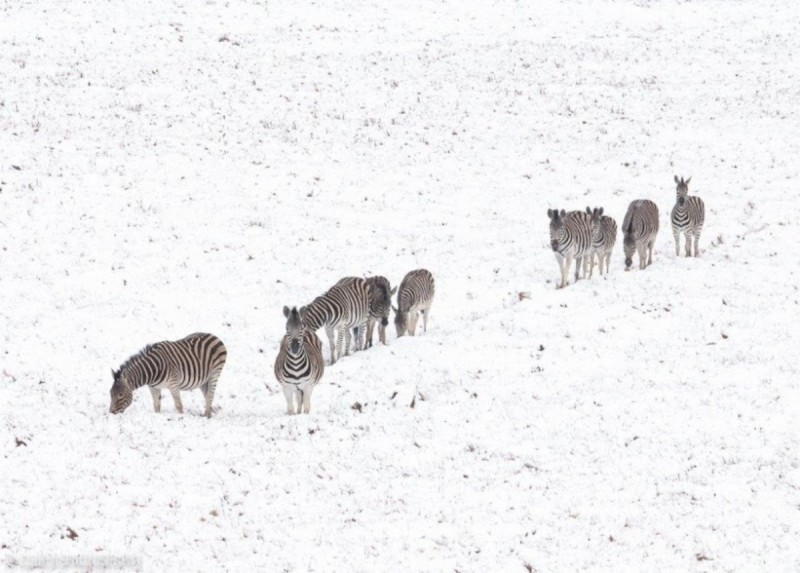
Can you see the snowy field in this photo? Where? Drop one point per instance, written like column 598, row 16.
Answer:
column 170, row 167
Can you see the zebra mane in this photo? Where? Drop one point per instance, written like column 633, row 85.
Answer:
column 134, row 358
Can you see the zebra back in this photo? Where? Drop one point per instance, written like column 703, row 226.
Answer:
column 346, row 304
column 641, row 222
column 416, row 289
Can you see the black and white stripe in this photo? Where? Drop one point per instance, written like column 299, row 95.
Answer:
column 604, row 237
column 343, row 307
column 414, row 297
column 299, row 364
column 192, row 362
column 380, row 306
column 688, row 216
column 639, row 229
column 570, row 238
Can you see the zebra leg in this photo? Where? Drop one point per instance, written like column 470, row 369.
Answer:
column 608, row 261
column 306, row 400
column 156, row 392
column 209, row 388
column 688, row 243
column 348, row 338
column 288, row 393
column 381, row 334
column 176, row 397
column 697, row 242
column 677, row 234
column 642, row 250
column 370, row 333
column 578, row 263
column 650, row 250
column 331, row 339
column 425, row 319
column 413, row 316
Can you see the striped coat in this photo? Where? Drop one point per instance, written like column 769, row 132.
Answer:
column 604, row 237
column 299, row 365
column 192, row 362
column 340, row 309
column 414, row 297
column 570, row 238
column 687, row 217
column 639, row 229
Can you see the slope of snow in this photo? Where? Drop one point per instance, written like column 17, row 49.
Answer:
column 169, row 168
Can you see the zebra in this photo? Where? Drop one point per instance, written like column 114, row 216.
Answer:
column 639, row 229
column 192, row 362
column 299, row 364
column 570, row 238
column 414, row 297
column 688, row 216
column 338, row 310
column 380, row 304
column 604, row 237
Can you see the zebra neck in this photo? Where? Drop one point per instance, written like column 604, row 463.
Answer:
column 316, row 313
column 146, row 369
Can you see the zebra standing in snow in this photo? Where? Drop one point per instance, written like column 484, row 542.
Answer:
column 299, row 365
column 414, row 297
column 688, row 216
column 380, row 304
column 192, row 362
column 604, row 237
column 570, row 238
column 341, row 308
column 639, row 229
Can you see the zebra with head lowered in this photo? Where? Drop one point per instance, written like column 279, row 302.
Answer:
column 604, row 237
column 414, row 297
column 343, row 307
column 380, row 305
column 639, row 229
column 299, row 365
column 688, row 216
column 192, row 362
column 570, row 238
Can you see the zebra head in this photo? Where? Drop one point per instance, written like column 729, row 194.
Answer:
column 400, row 321
column 682, row 190
column 382, row 302
column 556, row 227
column 121, row 394
column 629, row 246
column 596, row 215
column 295, row 328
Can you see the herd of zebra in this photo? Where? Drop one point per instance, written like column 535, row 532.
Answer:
column 582, row 236
column 350, row 309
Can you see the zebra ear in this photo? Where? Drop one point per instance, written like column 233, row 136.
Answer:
column 550, row 213
column 394, row 290
column 600, row 212
column 286, row 312
column 687, row 181
column 589, row 210
column 563, row 213
column 676, row 179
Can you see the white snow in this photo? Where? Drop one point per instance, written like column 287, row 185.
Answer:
column 196, row 166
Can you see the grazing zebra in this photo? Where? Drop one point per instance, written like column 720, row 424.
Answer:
column 414, row 297
column 299, row 365
column 338, row 310
column 639, row 229
column 192, row 362
column 604, row 237
column 688, row 216
column 570, row 238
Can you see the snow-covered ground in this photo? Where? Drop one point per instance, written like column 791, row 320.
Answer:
column 170, row 167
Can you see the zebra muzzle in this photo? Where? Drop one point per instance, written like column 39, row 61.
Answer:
column 295, row 346
column 385, row 321
column 554, row 244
